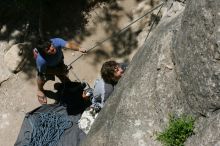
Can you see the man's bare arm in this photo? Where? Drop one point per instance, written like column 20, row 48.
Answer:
column 75, row 46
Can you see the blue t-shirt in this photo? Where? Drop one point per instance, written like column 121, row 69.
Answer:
column 52, row 60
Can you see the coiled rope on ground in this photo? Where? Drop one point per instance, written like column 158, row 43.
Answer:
column 48, row 128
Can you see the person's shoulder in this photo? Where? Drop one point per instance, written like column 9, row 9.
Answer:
column 40, row 59
column 98, row 82
column 58, row 42
column 108, row 86
column 56, row 39
column 101, row 82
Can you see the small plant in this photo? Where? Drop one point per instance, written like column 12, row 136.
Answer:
column 178, row 130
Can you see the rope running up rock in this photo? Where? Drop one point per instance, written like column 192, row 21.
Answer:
column 119, row 32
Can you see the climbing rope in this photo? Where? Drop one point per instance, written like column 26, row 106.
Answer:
column 77, row 78
column 48, row 128
column 153, row 22
column 116, row 34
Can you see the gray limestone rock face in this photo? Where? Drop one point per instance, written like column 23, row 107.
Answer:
column 198, row 67
column 176, row 71
column 207, row 132
column 195, row 56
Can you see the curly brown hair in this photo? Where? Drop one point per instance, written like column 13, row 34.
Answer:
column 108, row 70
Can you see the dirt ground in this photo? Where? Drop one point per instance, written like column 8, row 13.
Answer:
column 18, row 94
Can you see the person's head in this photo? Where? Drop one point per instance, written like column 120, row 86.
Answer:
column 111, row 72
column 46, row 48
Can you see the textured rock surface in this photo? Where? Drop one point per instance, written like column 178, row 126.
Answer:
column 14, row 58
column 207, row 133
column 176, row 71
column 195, row 56
column 199, row 68
column 4, row 72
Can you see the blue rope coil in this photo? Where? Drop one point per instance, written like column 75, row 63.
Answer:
column 48, row 128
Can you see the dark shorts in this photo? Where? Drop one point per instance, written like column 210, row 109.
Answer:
column 44, row 76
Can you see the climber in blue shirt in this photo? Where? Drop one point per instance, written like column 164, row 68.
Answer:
column 49, row 61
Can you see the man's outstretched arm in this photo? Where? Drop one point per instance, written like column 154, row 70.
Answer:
column 74, row 46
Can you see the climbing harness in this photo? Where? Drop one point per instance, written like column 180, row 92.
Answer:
column 116, row 34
